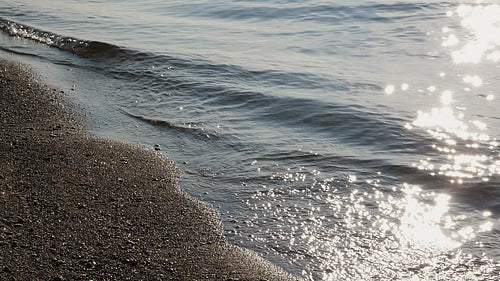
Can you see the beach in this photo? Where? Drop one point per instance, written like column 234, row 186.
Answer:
column 337, row 140
column 77, row 207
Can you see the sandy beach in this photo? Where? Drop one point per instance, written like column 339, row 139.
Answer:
column 77, row 207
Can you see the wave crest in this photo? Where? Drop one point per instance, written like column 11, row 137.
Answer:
column 94, row 50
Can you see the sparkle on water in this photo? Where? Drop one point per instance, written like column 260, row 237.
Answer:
column 470, row 151
column 358, row 227
column 483, row 23
column 402, row 232
column 368, row 232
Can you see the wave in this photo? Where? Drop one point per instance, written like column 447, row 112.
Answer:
column 137, row 63
column 265, row 96
column 95, row 50
column 193, row 129
column 321, row 13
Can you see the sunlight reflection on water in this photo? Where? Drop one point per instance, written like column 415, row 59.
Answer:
column 361, row 228
column 483, row 23
column 403, row 233
column 421, row 223
column 470, row 151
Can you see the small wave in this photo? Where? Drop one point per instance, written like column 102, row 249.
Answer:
column 95, row 50
column 328, row 162
column 17, row 52
column 323, row 13
column 195, row 72
column 346, row 123
column 194, row 129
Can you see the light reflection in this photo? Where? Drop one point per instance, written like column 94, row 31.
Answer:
column 389, row 89
column 389, row 229
column 480, row 125
column 464, row 142
column 475, row 80
column 447, row 97
column 485, row 227
column 494, row 56
column 449, row 41
column 441, row 120
column 366, row 232
column 443, row 125
column 421, row 223
column 483, row 23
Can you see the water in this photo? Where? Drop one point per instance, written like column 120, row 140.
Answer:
column 342, row 140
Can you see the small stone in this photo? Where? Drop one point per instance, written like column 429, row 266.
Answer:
column 57, row 278
column 157, row 147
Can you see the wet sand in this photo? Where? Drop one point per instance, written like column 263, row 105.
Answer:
column 77, row 207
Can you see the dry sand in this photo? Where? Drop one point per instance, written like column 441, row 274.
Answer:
column 77, row 207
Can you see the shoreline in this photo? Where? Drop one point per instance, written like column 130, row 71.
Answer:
column 78, row 207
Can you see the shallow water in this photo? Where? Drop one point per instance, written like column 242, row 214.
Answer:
column 342, row 141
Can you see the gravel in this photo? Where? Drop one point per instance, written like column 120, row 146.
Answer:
column 77, row 207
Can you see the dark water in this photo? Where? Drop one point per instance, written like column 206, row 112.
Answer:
column 342, row 140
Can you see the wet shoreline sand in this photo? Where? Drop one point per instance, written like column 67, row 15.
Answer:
column 77, row 207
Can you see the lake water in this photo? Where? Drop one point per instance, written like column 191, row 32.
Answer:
column 342, row 140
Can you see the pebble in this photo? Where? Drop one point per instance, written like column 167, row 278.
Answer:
column 79, row 171
column 56, row 278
